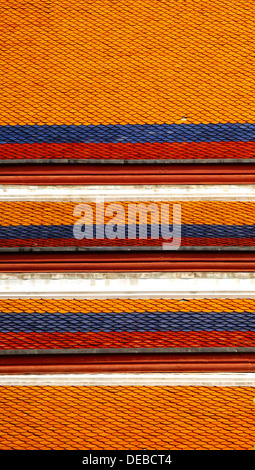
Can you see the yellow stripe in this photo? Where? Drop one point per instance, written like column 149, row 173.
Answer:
column 125, row 61
column 193, row 212
column 125, row 305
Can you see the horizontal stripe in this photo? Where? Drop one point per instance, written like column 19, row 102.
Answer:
column 128, row 151
column 204, row 194
column 130, row 322
column 131, row 231
column 201, row 213
column 105, row 285
column 136, row 133
column 71, row 242
column 128, row 62
column 227, row 379
column 129, row 305
column 173, row 339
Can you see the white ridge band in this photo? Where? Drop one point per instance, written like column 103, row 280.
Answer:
column 155, row 192
column 128, row 285
column 133, row 379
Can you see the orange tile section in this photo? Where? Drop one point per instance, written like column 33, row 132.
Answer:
column 30, row 305
column 127, row 418
column 148, row 61
column 14, row 213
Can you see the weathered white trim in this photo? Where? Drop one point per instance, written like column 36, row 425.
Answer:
column 134, row 379
column 128, row 285
column 222, row 192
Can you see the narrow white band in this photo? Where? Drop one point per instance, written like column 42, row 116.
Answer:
column 128, row 285
column 189, row 192
column 134, row 379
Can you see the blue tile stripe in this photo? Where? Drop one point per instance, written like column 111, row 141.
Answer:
column 66, row 231
column 228, row 132
column 129, row 322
